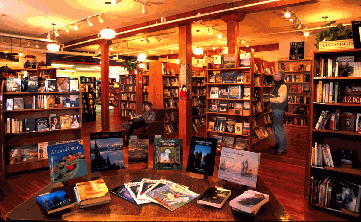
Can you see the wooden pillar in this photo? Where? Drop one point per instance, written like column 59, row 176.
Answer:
column 185, row 78
column 233, row 34
column 105, row 123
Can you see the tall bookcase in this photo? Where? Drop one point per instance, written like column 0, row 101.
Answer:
column 88, row 86
column 331, row 181
column 298, row 81
column 199, row 95
column 20, row 139
column 127, row 90
column 145, row 86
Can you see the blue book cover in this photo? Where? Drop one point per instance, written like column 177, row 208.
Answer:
column 106, row 150
column 168, row 154
column 56, row 201
column 123, row 192
column 229, row 77
column 66, row 161
column 234, row 92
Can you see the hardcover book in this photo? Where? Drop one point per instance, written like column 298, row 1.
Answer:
column 230, row 125
column 211, row 126
column 229, row 61
column 239, row 128
column 239, row 166
column 9, row 104
column 106, row 151
column 28, row 102
column 18, row 103
column 42, row 124
column 43, row 150
column 223, row 92
column 235, row 92
column 30, row 125
column 123, row 192
column 202, row 154
column 23, row 154
column 212, row 78
column 53, row 202
column 168, row 154
column 214, row 196
column 218, row 76
column 229, row 77
column 41, row 85
column 65, row 101
column 64, row 122
column 74, row 100
column 138, row 153
column 62, row 84
column 66, row 161
column 228, row 141
column 249, row 202
column 219, row 140
column 247, row 93
column 73, row 85
column 50, row 85
column 54, row 122
column 74, row 121
column 241, row 144
column 220, row 124
column 32, row 84
column 223, row 106
column 214, row 92
column 245, row 60
column 92, row 193
column 49, row 101
column 13, row 85
column 240, row 77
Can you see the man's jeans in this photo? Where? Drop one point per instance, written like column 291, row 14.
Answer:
column 278, row 116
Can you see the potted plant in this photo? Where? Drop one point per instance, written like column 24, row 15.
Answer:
column 131, row 65
column 338, row 32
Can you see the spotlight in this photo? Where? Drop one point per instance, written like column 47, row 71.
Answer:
column 114, row 2
column 166, row 38
column 214, row 48
column 49, row 36
column 291, row 20
column 76, row 27
column 306, row 33
column 287, row 14
column 89, row 22
column 219, row 36
column 144, row 9
column 247, row 45
column 142, row 65
column 20, row 53
column 142, row 57
column 56, row 33
column 323, row 40
column 107, row 33
column 37, row 44
column 67, row 29
column 100, row 18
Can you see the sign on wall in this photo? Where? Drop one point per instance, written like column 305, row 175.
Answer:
column 336, row 45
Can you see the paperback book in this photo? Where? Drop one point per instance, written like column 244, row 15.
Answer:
column 106, row 151
column 23, row 154
column 9, row 104
column 239, row 166
column 91, row 193
column 202, row 154
column 229, row 61
column 32, row 84
column 62, row 84
column 214, row 196
column 123, row 192
column 43, row 150
column 250, row 201
column 50, row 85
column 235, row 92
column 73, row 85
column 13, row 85
column 74, row 121
column 49, row 101
column 18, row 103
column 168, row 154
column 64, row 122
column 133, row 188
column 228, row 141
column 66, row 161
column 54, row 122
column 146, row 185
column 229, row 77
column 138, row 153
column 53, row 202
column 219, row 141
column 74, row 100
column 241, row 144
column 42, row 123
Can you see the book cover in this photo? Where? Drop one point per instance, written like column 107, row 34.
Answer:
column 223, row 106
column 138, row 153
column 123, row 192
column 172, row 196
column 220, row 124
column 50, row 85
column 240, row 77
column 229, row 77
column 245, row 60
column 230, row 125
column 64, row 122
column 32, row 84
column 65, row 101
column 247, row 93
column 229, row 61
column 211, row 126
column 218, row 76
column 73, row 85
column 344, row 196
column 74, row 100
column 66, row 161
column 9, row 104
column 239, row 166
column 214, row 92
column 74, row 121
column 223, row 92
column 235, row 92
column 133, row 188
column 54, row 122
column 41, row 85
column 30, row 125
column 92, row 189
column 62, row 84
column 53, row 202
column 249, row 201
column 214, row 196
column 202, row 154
column 168, row 154
column 146, row 185
column 228, row 141
column 28, row 102
column 106, row 151
column 219, row 140
column 238, row 108
column 23, row 153
column 239, row 128
column 212, row 77
column 297, row 50
column 42, row 123
column 43, row 150
column 241, row 144
column 13, row 85
column 18, row 103
column 49, row 101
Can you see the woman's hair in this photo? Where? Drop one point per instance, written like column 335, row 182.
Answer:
column 148, row 104
column 281, row 73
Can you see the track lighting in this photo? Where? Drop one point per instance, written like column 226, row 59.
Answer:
column 49, row 36
column 76, row 27
column 219, row 36
column 20, row 53
column 287, row 13
column 67, row 29
column 214, row 48
column 56, row 33
column 53, row 47
column 100, row 18
column 37, row 44
column 114, row 2
column 89, row 22
column 107, row 33
column 28, row 43
column 144, row 9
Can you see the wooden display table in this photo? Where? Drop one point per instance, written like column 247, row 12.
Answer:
column 119, row 209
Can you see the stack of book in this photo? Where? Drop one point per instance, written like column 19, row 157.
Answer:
column 250, row 202
column 91, row 193
column 54, row 202
column 214, row 196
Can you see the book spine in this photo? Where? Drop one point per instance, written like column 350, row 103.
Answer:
column 325, row 156
column 320, row 91
column 329, row 155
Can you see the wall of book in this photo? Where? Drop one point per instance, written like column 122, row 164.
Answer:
column 334, row 162
column 112, row 85
column 88, row 86
column 127, row 90
column 199, row 95
column 145, row 86
column 35, row 113
column 298, row 81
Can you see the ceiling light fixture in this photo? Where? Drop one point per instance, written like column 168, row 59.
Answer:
column 67, row 29
column 287, row 13
column 107, row 33
column 89, row 22
column 198, row 51
column 214, row 48
column 306, row 33
column 56, row 33
column 219, row 36
column 291, row 20
column 21, row 53
column 53, row 47
column 142, row 57
column 114, row 2
column 100, row 18
column 37, row 44
column 144, row 9
column 76, row 27
column 142, row 65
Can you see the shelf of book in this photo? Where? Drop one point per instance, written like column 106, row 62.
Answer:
column 128, row 92
column 291, row 125
column 24, row 128
column 88, row 98
column 199, row 94
column 334, row 130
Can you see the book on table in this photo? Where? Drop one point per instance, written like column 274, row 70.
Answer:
column 54, row 202
column 250, row 201
column 91, row 193
column 214, row 196
column 138, row 153
column 168, row 154
column 123, row 192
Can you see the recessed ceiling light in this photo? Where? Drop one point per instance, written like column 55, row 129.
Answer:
column 89, row 22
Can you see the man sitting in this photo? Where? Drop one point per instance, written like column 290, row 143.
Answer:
column 140, row 121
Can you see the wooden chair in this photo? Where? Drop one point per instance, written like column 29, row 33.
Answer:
column 153, row 128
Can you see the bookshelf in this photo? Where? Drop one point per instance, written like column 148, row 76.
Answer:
column 145, row 85
column 16, row 134
column 112, row 86
column 199, row 95
column 127, row 90
column 88, row 86
column 334, row 156
column 298, row 81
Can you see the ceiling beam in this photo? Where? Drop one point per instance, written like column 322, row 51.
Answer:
column 188, row 17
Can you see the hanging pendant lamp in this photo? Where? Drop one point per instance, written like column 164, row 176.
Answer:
column 53, row 47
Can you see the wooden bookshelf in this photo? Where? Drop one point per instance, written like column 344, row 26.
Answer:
column 128, row 95
column 88, row 98
column 199, row 94
column 332, row 133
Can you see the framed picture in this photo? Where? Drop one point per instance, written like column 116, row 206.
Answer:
column 356, row 29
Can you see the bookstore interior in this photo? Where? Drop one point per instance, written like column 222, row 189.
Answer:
column 208, row 75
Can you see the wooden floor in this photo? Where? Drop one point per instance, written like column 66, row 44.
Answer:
column 284, row 175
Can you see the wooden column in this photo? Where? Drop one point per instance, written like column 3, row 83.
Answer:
column 233, row 34
column 105, row 85
column 185, row 78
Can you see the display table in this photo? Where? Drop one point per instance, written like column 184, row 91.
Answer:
column 119, row 209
